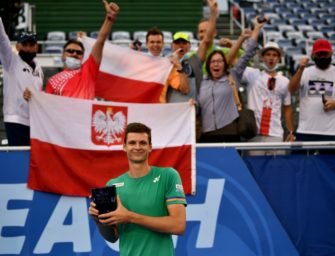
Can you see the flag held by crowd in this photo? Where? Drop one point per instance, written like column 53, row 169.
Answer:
column 129, row 76
column 77, row 144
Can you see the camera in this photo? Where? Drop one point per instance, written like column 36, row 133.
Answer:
column 261, row 18
column 137, row 44
column 104, row 198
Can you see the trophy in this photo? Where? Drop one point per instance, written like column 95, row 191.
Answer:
column 104, row 198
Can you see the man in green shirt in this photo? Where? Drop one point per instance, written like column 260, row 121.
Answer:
column 151, row 202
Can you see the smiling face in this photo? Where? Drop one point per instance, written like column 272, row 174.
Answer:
column 137, row 147
column 155, row 44
column 216, row 66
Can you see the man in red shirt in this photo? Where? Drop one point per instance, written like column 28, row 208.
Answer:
column 77, row 80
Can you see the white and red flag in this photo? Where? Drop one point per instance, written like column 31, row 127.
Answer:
column 129, row 76
column 77, row 144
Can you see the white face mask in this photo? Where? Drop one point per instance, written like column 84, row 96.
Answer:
column 72, row 63
column 266, row 68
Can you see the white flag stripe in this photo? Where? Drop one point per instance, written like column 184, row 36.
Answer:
column 67, row 121
column 127, row 63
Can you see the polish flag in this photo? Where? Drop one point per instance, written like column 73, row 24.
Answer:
column 129, row 76
column 76, row 144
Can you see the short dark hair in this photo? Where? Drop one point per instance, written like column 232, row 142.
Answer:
column 208, row 63
column 153, row 32
column 137, row 128
column 74, row 41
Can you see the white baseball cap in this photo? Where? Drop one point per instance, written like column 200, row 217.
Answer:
column 271, row 46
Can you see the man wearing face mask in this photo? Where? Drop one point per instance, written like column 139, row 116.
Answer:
column 20, row 72
column 268, row 97
column 317, row 94
column 78, row 80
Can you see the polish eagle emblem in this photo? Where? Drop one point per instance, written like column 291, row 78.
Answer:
column 108, row 127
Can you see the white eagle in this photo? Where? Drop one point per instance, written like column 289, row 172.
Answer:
column 108, row 126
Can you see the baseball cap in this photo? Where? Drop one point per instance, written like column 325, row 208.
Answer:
column 321, row 45
column 25, row 37
column 271, row 46
column 181, row 36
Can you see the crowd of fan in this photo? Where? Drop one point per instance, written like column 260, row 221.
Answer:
column 207, row 77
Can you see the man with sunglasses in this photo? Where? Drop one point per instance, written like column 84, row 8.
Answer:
column 268, row 96
column 20, row 72
column 317, row 94
column 78, row 80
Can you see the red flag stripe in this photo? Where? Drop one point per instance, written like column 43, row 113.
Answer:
column 80, row 170
column 115, row 88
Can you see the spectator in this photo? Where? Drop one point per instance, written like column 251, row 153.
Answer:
column 78, row 80
column 20, row 71
column 268, row 94
column 191, row 66
column 147, row 213
column 207, row 31
column 218, row 109
column 177, row 80
column 317, row 115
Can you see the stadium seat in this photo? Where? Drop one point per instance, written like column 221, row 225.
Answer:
column 56, row 36
column 269, row 27
column 94, row 34
column 117, row 35
column 53, row 49
column 305, row 28
column 122, row 42
column 277, row 22
column 140, row 35
column 194, row 44
column 272, row 36
column 284, row 28
column 167, row 34
column 295, row 35
column 72, row 34
column 285, row 43
column 313, row 35
column 297, row 22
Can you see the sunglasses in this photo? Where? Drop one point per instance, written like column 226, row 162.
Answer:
column 72, row 51
column 271, row 83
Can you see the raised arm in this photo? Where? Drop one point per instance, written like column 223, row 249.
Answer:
column 6, row 53
column 112, row 10
column 295, row 79
column 237, row 45
column 210, row 33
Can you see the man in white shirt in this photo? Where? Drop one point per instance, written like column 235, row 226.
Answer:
column 20, row 72
column 268, row 96
column 317, row 94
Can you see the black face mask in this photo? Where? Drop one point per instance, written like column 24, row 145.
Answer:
column 27, row 56
column 323, row 63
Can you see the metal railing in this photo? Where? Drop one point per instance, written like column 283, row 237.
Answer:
column 297, row 145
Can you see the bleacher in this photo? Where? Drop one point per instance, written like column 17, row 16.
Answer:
column 294, row 24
